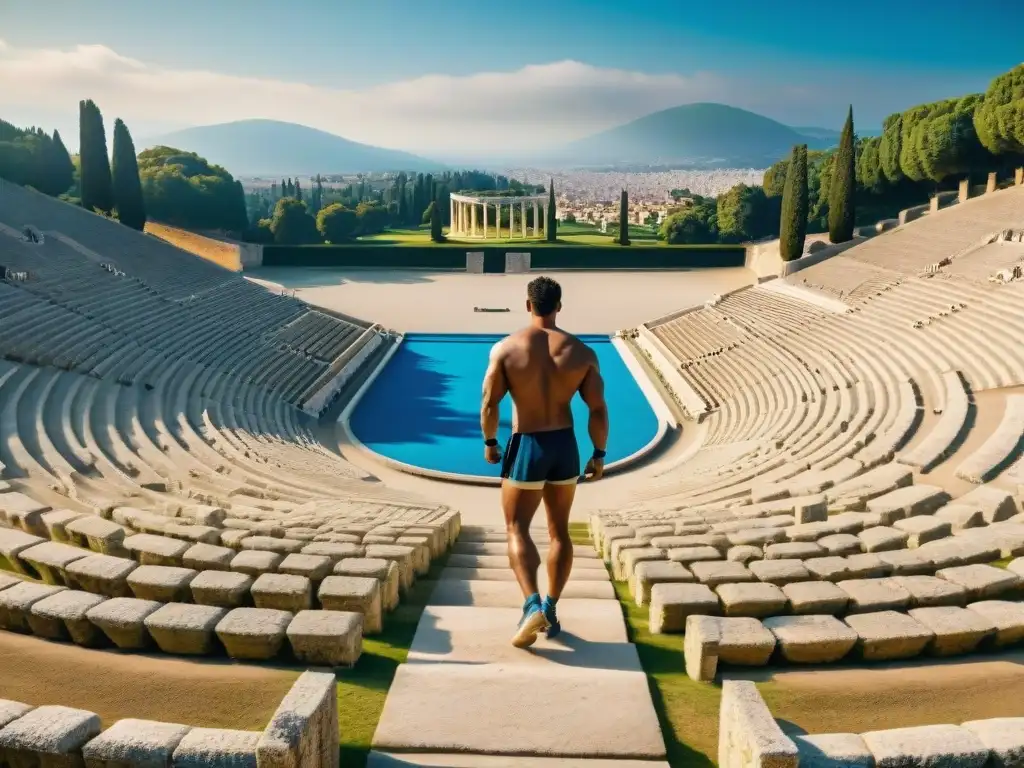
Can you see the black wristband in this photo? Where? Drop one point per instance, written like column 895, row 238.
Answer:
column 491, row 442
column 599, row 454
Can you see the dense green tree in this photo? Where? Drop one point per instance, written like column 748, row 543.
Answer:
column 623, row 219
column 436, row 230
column 774, row 181
column 999, row 119
column 298, row 191
column 745, row 213
column 336, row 223
column 428, row 213
column 97, row 189
column 131, row 209
column 795, row 206
column 890, row 147
column 841, row 198
column 183, row 189
column 869, row 167
column 292, row 224
column 372, row 218
column 61, row 171
column 695, row 224
column 551, row 225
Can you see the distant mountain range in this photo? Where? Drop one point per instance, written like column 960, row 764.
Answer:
column 273, row 148
column 702, row 135
column 689, row 136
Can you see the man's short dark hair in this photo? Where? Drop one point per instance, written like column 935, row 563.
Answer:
column 544, row 295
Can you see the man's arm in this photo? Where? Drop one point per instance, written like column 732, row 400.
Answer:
column 592, row 392
column 495, row 388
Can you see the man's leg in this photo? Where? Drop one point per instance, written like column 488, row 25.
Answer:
column 558, row 503
column 519, row 506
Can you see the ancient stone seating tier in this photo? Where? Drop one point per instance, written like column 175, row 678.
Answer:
column 303, row 731
column 155, row 304
column 749, row 735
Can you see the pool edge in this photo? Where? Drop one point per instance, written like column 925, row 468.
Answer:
column 658, row 406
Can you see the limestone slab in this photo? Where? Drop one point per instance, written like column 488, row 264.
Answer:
column 282, row 592
column 921, row 530
column 226, row 589
column 185, row 629
column 1003, row 737
column 811, row 639
column 48, row 560
column 504, row 594
column 647, row 574
column 203, row 747
column 831, row 568
column 671, row 604
column 48, row 735
column 1007, row 617
column 866, row 566
column 253, row 633
column 871, row 595
column 162, row 583
column 742, row 641
column 982, row 581
column 17, row 600
column 886, row 635
column 382, row 759
column 208, row 557
column 135, row 743
column 62, row 616
column 55, row 522
column 718, row 572
column 359, row 594
column 780, row 572
column 12, row 544
column 754, row 600
column 957, row 630
column 931, row 591
column 839, row 544
column 926, row 746
column 594, row 635
column 328, row 637
column 450, row 707
column 793, row 550
column 833, row 750
column 882, row 538
column 744, row 553
column 256, row 562
column 97, row 534
column 907, row 562
column 907, row 502
column 122, row 619
column 814, row 597
column 385, row 571
column 102, row 574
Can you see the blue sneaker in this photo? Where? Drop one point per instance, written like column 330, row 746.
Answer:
column 532, row 622
column 552, row 618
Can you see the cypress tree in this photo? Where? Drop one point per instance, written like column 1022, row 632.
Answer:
column 551, row 225
column 125, row 177
column 624, row 219
column 795, row 204
column 298, row 191
column 62, row 170
column 841, row 192
column 284, row 189
column 435, row 222
column 97, row 189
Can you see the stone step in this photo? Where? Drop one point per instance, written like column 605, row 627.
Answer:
column 593, row 635
column 501, row 561
column 378, row 759
column 514, row 709
column 506, row 574
column 506, row 594
column 494, row 548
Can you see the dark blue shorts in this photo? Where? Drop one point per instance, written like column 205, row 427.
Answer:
column 533, row 460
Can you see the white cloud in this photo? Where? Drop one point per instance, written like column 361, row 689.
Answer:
column 487, row 112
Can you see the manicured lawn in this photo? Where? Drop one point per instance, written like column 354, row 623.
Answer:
column 568, row 234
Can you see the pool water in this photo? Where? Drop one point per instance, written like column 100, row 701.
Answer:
column 424, row 407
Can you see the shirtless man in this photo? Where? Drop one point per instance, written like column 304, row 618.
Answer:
column 542, row 367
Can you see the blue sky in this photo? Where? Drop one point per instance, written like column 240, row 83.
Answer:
column 784, row 58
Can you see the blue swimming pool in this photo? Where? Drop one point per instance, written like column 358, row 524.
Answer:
column 424, row 407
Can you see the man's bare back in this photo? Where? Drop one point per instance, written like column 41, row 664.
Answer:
column 544, row 369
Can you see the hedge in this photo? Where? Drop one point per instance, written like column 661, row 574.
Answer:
column 559, row 257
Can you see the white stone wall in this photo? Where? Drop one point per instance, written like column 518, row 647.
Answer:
column 317, row 402
column 304, row 731
column 662, row 360
column 748, row 736
column 517, row 263
column 475, row 262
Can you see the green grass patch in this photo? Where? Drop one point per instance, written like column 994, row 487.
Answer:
column 362, row 690
column 1003, row 562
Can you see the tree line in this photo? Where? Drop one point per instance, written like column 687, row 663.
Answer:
column 921, row 150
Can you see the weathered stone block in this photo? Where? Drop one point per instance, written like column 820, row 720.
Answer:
column 871, row 595
column 882, row 538
column 48, row 736
column 840, row 544
column 204, row 747
column 833, row 750
column 930, row 591
column 652, row 572
column 780, row 572
column 102, row 574
column 48, row 560
column 282, row 592
column 982, row 581
column 329, row 637
column 816, row 597
column 62, row 616
column 304, row 730
column 97, row 534
column 920, row 530
column 811, row 639
column 17, row 600
column 1005, row 616
column 889, row 635
column 671, row 604
column 832, row 568
column 253, row 633
column 208, row 557
column 131, row 742
column 354, row 594
column 185, row 629
column 957, row 630
column 225, row 589
column 926, row 746
column 313, row 567
column 156, row 550
column 754, row 600
column 713, row 573
column 122, row 619
column 162, row 583
column 1003, row 737
column 385, row 571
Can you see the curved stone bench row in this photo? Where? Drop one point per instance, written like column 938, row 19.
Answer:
column 330, row 637
column 938, row 441
column 1000, row 445
column 673, row 598
column 303, row 731
column 749, row 736
column 885, row 635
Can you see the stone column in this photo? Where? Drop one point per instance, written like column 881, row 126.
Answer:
column 472, row 214
column 511, row 220
column 965, row 190
column 1018, row 176
column 497, row 221
column 451, row 216
column 485, row 221
column 522, row 212
column 990, row 185
column 536, row 221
